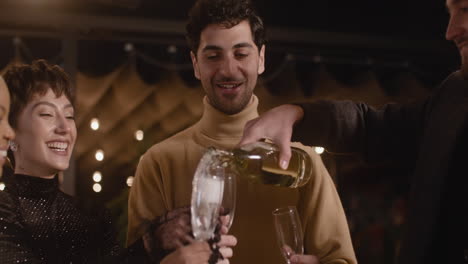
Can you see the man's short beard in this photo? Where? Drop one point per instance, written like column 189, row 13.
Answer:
column 230, row 110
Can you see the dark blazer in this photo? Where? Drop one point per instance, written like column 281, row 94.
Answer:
column 422, row 136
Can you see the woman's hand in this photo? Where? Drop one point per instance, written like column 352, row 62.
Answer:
column 226, row 244
column 304, row 259
column 200, row 252
column 195, row 253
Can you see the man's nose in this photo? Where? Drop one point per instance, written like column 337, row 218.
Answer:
column 228, row 66
column 454, row 29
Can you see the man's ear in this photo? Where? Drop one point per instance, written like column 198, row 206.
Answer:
column 261, row 60
column 196, row 70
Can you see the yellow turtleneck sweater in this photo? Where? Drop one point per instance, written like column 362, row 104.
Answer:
column 163, row 182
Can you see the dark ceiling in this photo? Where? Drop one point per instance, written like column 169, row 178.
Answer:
column 414, row 19
column 394, row 27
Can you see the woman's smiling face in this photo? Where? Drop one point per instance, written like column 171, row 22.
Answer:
column 46, row 134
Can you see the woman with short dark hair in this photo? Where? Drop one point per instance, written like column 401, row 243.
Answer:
column 38, row 222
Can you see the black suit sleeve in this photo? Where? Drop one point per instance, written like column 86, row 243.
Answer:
column 390, row 133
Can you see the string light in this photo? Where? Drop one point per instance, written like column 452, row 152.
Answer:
column 128, row 47
column 94, row 124
column 319, row 150
column 172, row 49
column 97, row 176
column 130, row 181
column 139, row 134
column 97, row 187
column 99, row 155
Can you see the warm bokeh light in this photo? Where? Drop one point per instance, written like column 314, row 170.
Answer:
column 99, row 155
column 172, row 49
column 97, row 187
column 97, row 176
column 139, row 134
column 2, row 186
column 130, row 181
column 94, row 124
column 319, row 150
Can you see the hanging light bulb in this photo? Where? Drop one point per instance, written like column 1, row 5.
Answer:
column 94, row 123
column 97, row 187
column 130, row 181
column 139, row 134
column 99, row 155
column 97, row 176
column 319, row 150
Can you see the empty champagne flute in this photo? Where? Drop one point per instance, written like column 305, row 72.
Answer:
column 288, row 231
column 207, row 195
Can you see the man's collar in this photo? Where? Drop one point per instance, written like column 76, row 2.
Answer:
column 218, row 125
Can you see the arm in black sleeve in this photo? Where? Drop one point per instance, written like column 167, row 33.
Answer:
column 112, row 252
column 389, row 133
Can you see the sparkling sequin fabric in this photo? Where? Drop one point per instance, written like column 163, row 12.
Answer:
column 41, row 224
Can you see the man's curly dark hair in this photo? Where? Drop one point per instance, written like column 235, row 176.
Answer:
column 227, row 13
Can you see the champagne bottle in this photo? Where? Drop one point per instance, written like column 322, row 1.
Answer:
column 259, row 163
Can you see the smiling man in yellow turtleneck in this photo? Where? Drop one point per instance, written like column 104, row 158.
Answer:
column 227, row 42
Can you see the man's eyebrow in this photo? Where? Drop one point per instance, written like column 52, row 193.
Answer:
column 239, row 45
column 243, row 45
column 211, row 47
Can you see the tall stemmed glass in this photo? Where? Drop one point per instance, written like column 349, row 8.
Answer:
column 207, row 195
column 288, row 231
column 228, row 205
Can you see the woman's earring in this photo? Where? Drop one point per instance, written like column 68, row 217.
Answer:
column 13, row 146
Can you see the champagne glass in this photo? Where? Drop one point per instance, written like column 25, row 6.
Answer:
column 228, row 205
column 207, row 195
column 288, row 231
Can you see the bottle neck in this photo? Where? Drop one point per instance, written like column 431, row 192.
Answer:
column 236, row 159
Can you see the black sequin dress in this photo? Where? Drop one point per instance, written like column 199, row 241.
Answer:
column 41, row 224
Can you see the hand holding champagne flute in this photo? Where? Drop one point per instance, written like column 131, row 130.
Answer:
column 213, row 188
column 290, row 238
column 207, row 194
column 288, row 231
